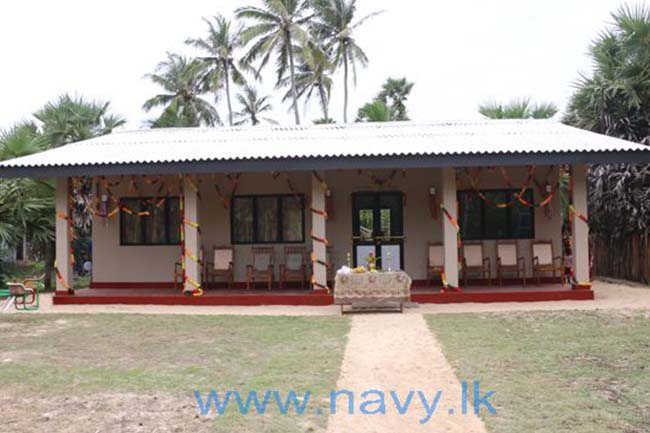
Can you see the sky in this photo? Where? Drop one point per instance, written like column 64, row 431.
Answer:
column 459, row 53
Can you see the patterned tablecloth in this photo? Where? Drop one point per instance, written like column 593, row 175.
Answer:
column 372, row 287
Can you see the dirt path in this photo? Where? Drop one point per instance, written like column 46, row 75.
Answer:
column 398, row 352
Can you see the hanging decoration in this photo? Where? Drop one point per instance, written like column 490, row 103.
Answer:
column 381, row 182
column 434, row 207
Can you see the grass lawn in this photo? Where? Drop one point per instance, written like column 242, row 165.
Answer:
column 114, row 372
column 555, row 371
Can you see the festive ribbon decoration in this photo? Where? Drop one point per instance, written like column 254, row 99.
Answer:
column 59, row 277
column 321, row 213
column 579, row 214
column 456, row 226
column 450, row 218
column 381, row 181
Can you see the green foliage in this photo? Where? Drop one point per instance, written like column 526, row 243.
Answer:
column 184, row 81
column 389, row 104
column 313, row 76
column 252, row 107
column 220, row 45
column 69, row 119
column 615, row 100
column 275, row 29
column 518, row 109
column 375, row 111
column 333, row 25
column 395, row 92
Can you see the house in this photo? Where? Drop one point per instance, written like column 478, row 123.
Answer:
column 167, row 196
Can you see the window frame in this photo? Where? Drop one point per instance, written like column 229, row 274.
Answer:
column 145, row 221
column 508, row 211
column 279, row 198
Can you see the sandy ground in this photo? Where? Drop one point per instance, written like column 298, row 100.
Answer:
column 616, row 295
column 398, row 352
column 102, row 413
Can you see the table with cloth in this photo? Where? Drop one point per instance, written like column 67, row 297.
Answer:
column 372, row 289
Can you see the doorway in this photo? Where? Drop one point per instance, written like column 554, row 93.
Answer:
column 378, row 228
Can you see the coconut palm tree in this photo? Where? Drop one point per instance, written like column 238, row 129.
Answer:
column 518, row 109
column 395, row 91
column 277, row 28
column 184, row 82
column 68, row 119
column 333, row 24
column 252, row 107
column 221, row 43
column 313, row 76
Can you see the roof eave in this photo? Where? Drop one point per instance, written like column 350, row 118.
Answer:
column 332, row 163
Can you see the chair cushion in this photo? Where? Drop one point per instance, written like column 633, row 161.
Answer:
column 293, row 261
column 544, row 252
column 222, row 259
column 436, row 255
column 508, row 254
column 261, row 262
column 473, row 255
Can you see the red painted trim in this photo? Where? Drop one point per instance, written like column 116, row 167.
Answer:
column 495, row 282
column 131, row 285
column 179, row 299
column 317, row 299
column 487, row 297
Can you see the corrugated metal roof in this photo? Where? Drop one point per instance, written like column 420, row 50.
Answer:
column 481, row 137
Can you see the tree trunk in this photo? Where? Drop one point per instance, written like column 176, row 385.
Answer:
column 324, row 101
column 345, row 85
column 48, row 258
column 294, row 93
column 226, row 70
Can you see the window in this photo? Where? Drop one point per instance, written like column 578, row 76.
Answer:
column 480, row 220
column 265, row 219
column 160, row 227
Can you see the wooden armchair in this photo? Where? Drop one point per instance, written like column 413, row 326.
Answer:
column 294, row 268
column 508, row 260
column 221, row 266
column 261, row 266
column 435, row 261
column 544, row 261
column 474, row 261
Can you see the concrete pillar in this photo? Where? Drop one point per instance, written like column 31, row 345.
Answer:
column 580, row 229
column 192, row 234
column 449, row 233
column 318, row 220
column 64, row 278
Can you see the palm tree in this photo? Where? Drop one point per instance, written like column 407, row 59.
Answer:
column 27, row 205
column 614, row 99
column 396, row 91
column 252, row 107
column 278, row 27
column 333, row 25
column 313, row 76
column 518, row 109
column 221, row 43
column 184, row 81
column 69, row 119
column 375, row 111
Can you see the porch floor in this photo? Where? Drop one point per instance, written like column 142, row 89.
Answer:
column 480, row 294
